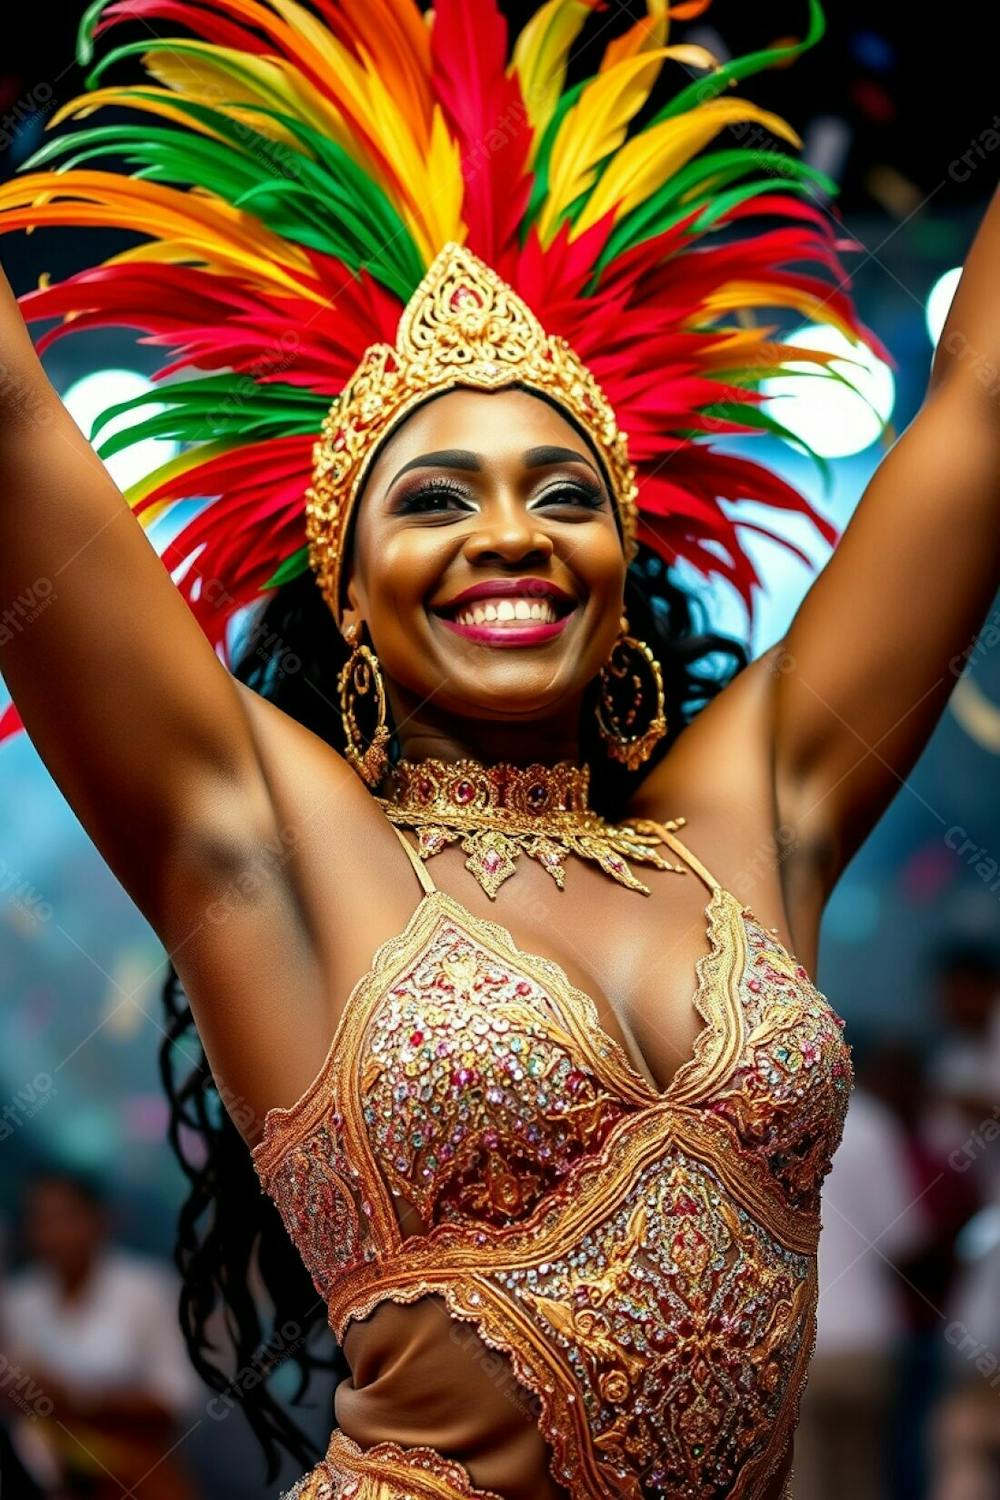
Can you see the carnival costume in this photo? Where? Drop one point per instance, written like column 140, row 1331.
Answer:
column 347, row 210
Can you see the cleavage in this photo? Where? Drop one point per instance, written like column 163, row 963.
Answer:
column 635, row 956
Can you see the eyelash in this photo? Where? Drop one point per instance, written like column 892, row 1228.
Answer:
column 589, row 497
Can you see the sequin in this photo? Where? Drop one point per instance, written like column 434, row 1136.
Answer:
column 646, row 1260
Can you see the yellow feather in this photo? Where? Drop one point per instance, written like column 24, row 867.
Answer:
column 649, row 160
column 163, row 104
column 407, row 81
column 652, row 31
column 739, row 295
column 446, row 187
column 596, row 126
column 189, row 227
column 194, row 73
column 431, row 176
column 228, row 261
column 541, row 55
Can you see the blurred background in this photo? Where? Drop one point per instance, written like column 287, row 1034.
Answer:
column 903, row 111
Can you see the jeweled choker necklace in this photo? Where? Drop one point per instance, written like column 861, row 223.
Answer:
column 500, row 812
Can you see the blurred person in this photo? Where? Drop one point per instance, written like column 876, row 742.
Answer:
column 871, row 1217
column 966, row 1428
column 94, row 1360
column 964, row 1071
column 949, row 1196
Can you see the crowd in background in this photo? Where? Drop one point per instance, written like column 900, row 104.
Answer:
column 903, row 1396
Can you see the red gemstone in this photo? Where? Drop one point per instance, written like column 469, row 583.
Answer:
column 464, row 792
column 464, row 296
column 416, row 1037
column 492, row 861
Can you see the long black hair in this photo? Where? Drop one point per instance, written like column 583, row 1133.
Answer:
column 231, row 1244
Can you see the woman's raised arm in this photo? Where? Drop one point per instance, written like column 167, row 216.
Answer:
column 135, row 716
column 873, row 653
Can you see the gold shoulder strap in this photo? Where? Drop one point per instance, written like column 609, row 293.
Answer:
column 669, row 836
column 423, row 875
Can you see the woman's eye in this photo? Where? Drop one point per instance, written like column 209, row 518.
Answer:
column 589, row 496
column 432, row 497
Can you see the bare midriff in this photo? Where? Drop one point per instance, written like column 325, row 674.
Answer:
column 421, row 1378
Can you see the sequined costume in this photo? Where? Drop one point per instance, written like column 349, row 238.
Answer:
column 646, row 1260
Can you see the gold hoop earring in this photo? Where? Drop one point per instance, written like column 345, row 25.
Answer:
column 616, row 724
column 360, row 677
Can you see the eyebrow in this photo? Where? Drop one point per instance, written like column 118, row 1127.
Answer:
column 463, row 458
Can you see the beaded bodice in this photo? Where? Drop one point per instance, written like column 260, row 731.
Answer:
column 646, row 1259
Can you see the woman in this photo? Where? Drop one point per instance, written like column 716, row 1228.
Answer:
column 555, row 1178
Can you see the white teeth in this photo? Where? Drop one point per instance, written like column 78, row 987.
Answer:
column 487, row 612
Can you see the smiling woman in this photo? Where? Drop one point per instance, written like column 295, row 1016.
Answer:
column 543, row 1143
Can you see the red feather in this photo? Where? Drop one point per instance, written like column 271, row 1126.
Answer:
column 202, row 22
column 10, row 722
column 486, row 113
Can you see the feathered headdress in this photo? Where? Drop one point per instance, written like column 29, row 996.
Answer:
column 300, row 172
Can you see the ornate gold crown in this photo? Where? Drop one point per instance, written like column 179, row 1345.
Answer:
column 463, row 326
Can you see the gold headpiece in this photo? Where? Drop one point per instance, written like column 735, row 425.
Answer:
column 463, row 326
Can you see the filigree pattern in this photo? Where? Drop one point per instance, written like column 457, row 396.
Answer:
column 384, row 1472
column 645, row 1259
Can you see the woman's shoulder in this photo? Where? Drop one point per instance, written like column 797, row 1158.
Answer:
column 720, row 763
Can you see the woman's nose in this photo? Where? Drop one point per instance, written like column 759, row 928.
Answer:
column 508, row 533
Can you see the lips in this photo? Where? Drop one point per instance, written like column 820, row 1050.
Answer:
column 508, row 612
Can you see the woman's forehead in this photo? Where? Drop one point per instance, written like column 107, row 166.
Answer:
column 499, row 425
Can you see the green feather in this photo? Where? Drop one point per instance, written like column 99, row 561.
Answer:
column 725, row 201
column 291, row 568
column 661, row 211
column 215, row 407
column 755, row 416
column 85, row 32
column 543, row 156
column 716, row 83
column 329, row 203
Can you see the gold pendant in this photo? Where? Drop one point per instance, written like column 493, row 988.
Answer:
column 501, row 812
column 491, row 858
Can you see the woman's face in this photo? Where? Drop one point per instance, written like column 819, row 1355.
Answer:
column 487, row 563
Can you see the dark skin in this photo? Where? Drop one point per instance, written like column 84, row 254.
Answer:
column 261, row 860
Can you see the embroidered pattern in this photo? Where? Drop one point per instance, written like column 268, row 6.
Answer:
column 645, row 1259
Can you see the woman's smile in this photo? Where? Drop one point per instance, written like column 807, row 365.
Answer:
column 508, row 612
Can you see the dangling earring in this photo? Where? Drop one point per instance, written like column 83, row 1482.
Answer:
column 360, row 677
column 616, row 724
